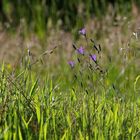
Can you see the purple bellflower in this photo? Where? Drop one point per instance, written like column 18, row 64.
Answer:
column 93, row 57
column 71, row 63
column 80, row 50
column 82, row 31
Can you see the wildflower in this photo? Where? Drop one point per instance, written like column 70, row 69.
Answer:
column 71, row 63
column 82, row 31
column 93, row 57
column 80, row 50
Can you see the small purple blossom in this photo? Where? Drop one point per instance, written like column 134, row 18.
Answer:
column 80, row 50
column 93, row 57
column 82, row 31
column 71, row 63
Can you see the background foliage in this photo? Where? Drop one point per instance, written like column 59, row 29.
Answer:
column 67, row 14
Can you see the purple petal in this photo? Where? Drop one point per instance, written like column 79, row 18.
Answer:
column 82, row 31
column 71, row 63
column 80, row 50
column 93, row 57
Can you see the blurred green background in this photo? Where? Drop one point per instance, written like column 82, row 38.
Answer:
column 41, row 14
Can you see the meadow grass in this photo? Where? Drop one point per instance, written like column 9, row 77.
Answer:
column 41, row 15
column 96, row 98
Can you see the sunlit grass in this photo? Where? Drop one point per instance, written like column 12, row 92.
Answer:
column 40, row 101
